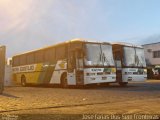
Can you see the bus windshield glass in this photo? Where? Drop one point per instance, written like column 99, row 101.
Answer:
column 134, row 57
column 99, row 55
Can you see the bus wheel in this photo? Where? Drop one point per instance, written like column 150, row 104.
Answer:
column 64, row 81
column 123, row 84
column 23, row 81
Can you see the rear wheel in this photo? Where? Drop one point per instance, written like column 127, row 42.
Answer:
column 123, row 84
column 23, row 81
column 64, row 81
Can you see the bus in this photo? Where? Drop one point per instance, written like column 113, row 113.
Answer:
column 75, row 62
column 130, row 63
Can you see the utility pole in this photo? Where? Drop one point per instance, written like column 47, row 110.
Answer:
column 2, row 67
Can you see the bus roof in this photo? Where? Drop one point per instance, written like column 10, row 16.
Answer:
column 86, row 40
column 62, row 43
column 126, row 44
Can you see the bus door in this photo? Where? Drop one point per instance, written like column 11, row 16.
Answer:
column 118, row 63
column 79, row 67
column 71, row 67
column 75, row 66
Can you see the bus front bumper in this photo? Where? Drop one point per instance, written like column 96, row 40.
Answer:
column 134, row 78
column 99, row 79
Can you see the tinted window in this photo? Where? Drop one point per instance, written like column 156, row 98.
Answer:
column 30, row 58
column 60, row 52
column 39, row 56
column 16, row 61
column 22, row 59
column 49, row 55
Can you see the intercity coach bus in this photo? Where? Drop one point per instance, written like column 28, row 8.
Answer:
column 76, row 62
column 130, row 63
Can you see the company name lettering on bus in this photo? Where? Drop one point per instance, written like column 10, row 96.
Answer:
column 96, row 70
column 16, row 69
column 28, row 68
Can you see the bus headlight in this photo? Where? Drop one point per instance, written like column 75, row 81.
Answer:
column 113, row 71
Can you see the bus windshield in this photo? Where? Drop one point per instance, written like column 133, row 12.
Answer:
column 134, row 57
column 99, row 55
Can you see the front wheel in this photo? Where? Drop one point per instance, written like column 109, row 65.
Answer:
column 64, row 81
column 123, row 84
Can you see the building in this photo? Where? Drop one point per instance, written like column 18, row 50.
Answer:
column 8, row 81
column 152, row 56
column 152, row 53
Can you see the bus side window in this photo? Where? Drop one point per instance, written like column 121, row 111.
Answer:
column 22, row 60
column 30, row 58
column 60, row 52
column 16, row 61
column 39, row 56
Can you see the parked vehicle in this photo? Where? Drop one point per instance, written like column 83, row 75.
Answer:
column 130, row 63
column 75, row 62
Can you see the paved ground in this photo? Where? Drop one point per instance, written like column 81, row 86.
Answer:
column 137, row 98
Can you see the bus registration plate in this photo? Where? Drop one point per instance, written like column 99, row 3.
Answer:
column 104, row 78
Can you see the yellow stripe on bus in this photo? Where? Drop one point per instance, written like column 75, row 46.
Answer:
column 31, row 77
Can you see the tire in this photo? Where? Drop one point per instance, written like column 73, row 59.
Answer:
column 64, row 83
column 123, row 84
column 23, row 81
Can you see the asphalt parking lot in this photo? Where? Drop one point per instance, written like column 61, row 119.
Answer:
column 136, row 98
